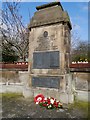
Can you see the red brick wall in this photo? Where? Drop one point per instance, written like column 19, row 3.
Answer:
column 80, row 65
column 24, row 66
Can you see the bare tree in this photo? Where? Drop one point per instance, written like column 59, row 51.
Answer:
column 13, row 30
column 80, row 53
column 75, row 39
column 79, row 48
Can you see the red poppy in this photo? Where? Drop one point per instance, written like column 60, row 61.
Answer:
column 45, row 100
column 45, row 105
column 53, row 98
column 55, row 104
column 39, row 98
column 48, row 101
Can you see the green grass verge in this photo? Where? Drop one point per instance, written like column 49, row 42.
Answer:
column 10, row 95
column 81, row 105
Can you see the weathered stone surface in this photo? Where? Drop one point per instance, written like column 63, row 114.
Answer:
column 53, row 93
column 43, row 91
column 58, row 40
column 63, row 84
column 9, row 76
column 47, row 15
column 64, row 98
column 49, row 5
column 82, row 95
column 24, row 77
column 81, row 81
column 49, row 50
column 53, row 72
column 70, row 97
column 28, row 93
column 11, row 88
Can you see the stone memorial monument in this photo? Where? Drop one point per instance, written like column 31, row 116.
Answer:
column 49, row 52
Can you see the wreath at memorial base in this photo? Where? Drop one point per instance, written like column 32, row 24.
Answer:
column 49, row 103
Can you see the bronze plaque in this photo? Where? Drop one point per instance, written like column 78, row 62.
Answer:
column 47, row 82
column 46, row 60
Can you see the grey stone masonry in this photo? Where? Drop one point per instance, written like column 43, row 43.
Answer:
column 51, row 13
column 49, row 48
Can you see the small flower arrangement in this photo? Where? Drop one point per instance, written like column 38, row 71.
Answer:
column 49, row 102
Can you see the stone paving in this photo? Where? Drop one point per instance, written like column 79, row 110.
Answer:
column 25, row 108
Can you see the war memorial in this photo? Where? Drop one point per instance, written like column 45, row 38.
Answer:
column 49, row 52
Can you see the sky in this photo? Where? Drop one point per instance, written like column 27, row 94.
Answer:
column 78, row 13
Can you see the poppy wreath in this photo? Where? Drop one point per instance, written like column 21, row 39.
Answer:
column 49, row 102
column 39, row 98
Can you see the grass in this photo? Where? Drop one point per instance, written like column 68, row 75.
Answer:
column 81, row 105
column 14, row 96
column 10, row 95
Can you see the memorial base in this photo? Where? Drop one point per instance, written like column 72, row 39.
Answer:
column 64, row 97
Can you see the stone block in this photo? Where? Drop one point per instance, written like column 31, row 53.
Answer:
column 52, row 93
column 62, row 84
column 40, row 91
column 28, row 93
column 24, row 77
column 82, row 96
column 64, row 98
column 70, row 98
